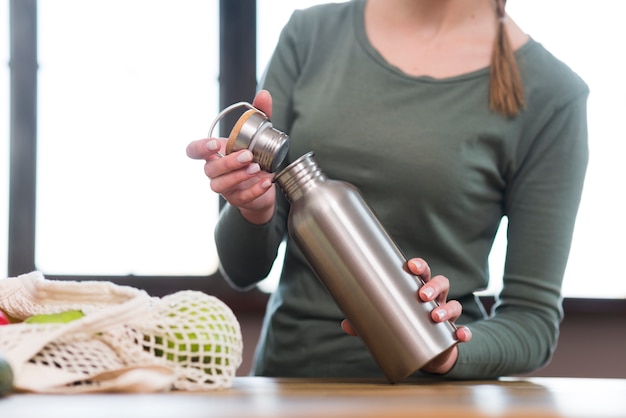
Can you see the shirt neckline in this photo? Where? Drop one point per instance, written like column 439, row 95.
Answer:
column 364, row 42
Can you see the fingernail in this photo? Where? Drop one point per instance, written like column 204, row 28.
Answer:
column 441, row 314
column 212, row 145
column 428, row 292
column 245, row 157
column 417, row 264
column 467, row 331
column 253, row 168
column 266, row 184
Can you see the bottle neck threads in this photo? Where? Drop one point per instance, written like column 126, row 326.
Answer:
column 254, row 131
column 299, row 176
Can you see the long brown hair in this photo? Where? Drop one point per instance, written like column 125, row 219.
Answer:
column 506, row 93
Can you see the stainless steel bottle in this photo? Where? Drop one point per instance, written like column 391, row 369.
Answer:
column 363, row 270
column 350, row 252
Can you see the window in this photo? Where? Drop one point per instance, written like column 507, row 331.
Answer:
column 588, row 37
column 124, row 86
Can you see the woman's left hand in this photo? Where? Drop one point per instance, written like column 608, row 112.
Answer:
column 435, row 289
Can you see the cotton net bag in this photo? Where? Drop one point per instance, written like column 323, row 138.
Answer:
column 126, row 340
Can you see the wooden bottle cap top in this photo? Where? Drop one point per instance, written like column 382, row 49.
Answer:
column 232, row 138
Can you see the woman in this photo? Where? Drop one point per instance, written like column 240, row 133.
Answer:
column 447, row 117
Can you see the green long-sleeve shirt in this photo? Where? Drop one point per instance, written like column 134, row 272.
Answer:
column 440, row 169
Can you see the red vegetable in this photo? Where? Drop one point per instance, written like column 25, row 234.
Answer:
column 3, row 319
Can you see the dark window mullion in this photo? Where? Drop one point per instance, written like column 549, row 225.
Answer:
column 237, row 78
column 23, row 136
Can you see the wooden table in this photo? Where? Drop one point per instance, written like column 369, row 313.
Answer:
column 294, row 398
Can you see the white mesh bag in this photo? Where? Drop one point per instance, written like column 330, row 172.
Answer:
column 197, row 335
column 126, row 341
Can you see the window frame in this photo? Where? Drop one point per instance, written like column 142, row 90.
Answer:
column 237, row 80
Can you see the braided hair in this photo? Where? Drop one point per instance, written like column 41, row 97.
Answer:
column 506, row 93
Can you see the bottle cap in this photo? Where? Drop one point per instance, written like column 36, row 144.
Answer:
column 255, row 132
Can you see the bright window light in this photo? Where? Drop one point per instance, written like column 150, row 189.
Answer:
column 123, row 87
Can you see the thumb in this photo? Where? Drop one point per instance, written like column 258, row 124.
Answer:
column 263, row 102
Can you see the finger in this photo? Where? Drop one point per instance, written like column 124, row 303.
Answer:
column 449, row 311
column 202, row 149
column 236, row 161
column 347, row 327
column 235, row 181
column 243, row 197
column 420, row 267
column 464, row 334
column 263, row 102
column 435, row 289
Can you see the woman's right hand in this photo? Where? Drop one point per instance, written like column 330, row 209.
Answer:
column 236, row 176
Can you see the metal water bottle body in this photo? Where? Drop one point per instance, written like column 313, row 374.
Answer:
column 363, row 270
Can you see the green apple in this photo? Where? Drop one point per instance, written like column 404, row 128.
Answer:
column 60, row 317
column 196, row 336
